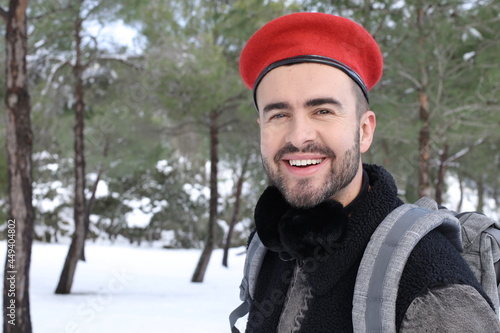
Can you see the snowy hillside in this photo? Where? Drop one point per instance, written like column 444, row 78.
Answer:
column 129, row 289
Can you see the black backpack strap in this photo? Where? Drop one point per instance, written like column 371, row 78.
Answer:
column 255, row 256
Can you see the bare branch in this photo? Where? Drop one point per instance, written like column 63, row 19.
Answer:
column 408, row 76
column 53, row 73
column 397, row 44
column 121, row 59
column 462, row 108
column 464, row 151
column 50, row 12
column 230, row 103
column 381, row 24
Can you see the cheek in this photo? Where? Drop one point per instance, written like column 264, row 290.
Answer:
column 269, row 143
column 339, row 141
column 265, row 145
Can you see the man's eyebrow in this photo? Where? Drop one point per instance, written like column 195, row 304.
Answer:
column 323, row 100
column 276, row 106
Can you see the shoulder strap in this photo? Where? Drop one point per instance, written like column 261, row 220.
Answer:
column 375, row 293
column 255, row 256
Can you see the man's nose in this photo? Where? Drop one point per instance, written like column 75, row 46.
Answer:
column 301, row 132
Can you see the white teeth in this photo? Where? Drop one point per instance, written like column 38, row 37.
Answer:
column 305, row 162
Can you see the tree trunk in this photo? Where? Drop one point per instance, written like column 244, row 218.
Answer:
column 441, row 175
column 424, row 188
column 497, row 201
column 461, row 186
column 202, row 265
column 88, row 211
column 78, row 239
column 91, row 202
column 480, row 194
column 16, row 303
column 236, row 210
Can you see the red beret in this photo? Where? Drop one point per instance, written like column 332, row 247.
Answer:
column 312, row 37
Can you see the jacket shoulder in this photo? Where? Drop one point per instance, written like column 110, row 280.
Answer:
column 453, row 308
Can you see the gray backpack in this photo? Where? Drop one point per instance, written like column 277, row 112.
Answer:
column 375, row 293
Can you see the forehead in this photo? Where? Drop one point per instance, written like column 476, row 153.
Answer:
column 304, row 81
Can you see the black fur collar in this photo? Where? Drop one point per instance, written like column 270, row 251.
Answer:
column 296, row 231
column 327, row 228
column 302, row 233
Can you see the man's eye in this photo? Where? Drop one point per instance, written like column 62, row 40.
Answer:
column 324, row 111
column 278, row 116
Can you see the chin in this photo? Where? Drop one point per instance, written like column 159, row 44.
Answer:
column 304, row 196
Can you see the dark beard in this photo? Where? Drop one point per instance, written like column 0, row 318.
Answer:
column 303, row 195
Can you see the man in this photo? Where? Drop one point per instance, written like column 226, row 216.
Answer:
column 310, row 74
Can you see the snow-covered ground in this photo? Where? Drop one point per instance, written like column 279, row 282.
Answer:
column 129, row 289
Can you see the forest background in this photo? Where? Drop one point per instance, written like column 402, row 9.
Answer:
column 140, row 128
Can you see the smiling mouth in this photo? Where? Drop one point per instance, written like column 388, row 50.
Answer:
column 305, row 163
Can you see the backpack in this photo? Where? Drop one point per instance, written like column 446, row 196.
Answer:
column 476, row 236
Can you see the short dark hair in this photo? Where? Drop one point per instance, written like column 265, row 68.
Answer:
column 362, row 104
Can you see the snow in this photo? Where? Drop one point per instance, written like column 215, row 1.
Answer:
column 470, row 196
column 130, row 289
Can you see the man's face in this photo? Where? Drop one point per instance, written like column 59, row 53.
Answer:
column 310, row 134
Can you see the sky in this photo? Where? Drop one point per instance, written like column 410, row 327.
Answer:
column 116, row 33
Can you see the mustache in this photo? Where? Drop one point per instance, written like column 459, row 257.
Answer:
column 310, row 148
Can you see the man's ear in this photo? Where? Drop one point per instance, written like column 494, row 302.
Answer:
column 367, row 125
